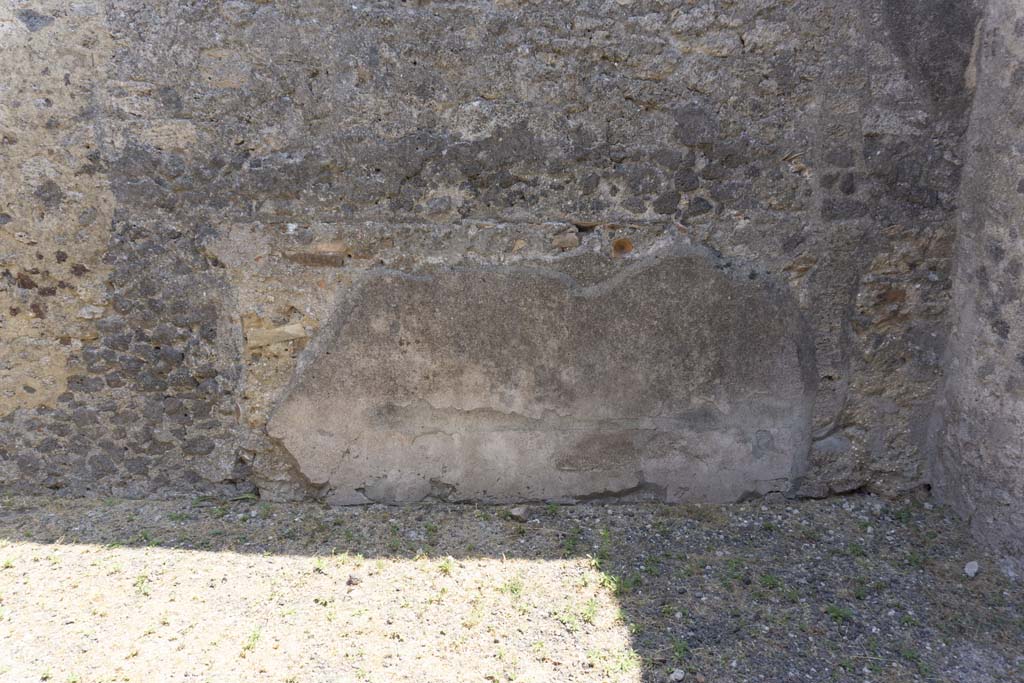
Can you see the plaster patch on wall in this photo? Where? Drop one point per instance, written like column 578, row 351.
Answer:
column 506, row 383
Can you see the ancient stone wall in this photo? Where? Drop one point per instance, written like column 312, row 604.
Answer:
column 384, row 250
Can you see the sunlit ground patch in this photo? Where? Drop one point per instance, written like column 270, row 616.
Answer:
column 103, row 613
column 277, row 596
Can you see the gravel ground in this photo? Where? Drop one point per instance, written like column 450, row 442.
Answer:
column 850, row 589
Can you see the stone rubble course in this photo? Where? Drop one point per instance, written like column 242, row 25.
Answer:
column 194, row 196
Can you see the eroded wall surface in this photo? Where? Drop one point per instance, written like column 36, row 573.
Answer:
column 526, row 383
column 980, row 466
column 696, row 250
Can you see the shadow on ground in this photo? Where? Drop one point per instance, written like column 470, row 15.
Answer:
column 851, row 589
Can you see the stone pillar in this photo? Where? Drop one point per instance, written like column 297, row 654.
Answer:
column 979, row 466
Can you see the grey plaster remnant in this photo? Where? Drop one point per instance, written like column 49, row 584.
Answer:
column 979, row 465
column 670, row 379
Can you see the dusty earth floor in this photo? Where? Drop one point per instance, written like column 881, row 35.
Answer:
column 852, row 589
